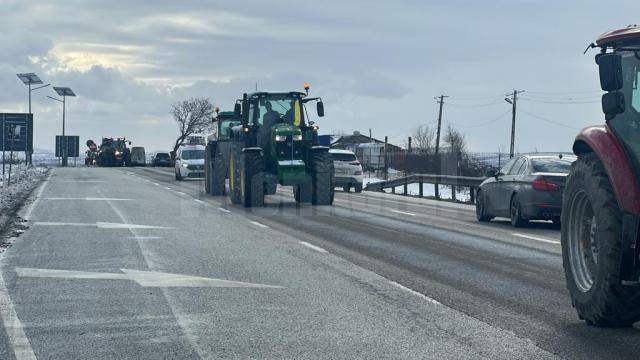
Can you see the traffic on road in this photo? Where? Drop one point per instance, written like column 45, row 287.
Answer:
column 263, row 224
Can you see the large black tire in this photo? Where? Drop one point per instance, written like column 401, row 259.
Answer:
column 481, row 210
column 234, row 174
column 251, row 179
column 207, row 169
column 302, row 192
column 358, row 188
column 592, row 247
column 218, row 176
column 178, row 177
column 323, row 185
column 515, row 209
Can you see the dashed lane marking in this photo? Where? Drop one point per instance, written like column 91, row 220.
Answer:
column 198, row 201
column 413, row 292
column 313, row 247
column 403, row 212
column 258, row 224
column 549, row 241
column 224, row 210
column 88, row 199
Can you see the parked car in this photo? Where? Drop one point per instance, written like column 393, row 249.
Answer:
column 161, row 159
column 190, row 162
column 138, row 157
column 528, row 187
column 348, row 170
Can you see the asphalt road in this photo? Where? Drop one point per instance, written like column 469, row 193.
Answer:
column 129, row 263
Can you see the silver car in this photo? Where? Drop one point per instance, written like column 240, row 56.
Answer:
column 348, row 171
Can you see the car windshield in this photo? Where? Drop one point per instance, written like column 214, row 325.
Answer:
column 552, row 165
column 162, row 156
column 192, row 154
column 343, row 157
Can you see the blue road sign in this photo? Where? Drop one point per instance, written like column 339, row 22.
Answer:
column 16, row 132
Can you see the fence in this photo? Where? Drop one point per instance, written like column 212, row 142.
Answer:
column 454, row 182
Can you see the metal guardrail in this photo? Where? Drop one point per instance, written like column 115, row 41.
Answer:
column 454, row 181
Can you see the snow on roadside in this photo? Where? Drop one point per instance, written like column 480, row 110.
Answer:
column 23, row 179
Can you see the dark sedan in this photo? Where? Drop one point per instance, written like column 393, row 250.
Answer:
column 528, row 187
column 161, row 159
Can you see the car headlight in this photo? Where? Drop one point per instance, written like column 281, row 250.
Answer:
column 281, row 138
column 118, row 153
column 297, row 137
column 184, row 165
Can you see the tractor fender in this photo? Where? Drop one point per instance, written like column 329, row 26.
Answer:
column 602, row 141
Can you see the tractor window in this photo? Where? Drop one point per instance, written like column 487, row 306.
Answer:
column 225, row 128
column 635, row 92
column 280, row 109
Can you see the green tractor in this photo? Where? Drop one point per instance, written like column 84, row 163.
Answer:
column 217, row 151
column 274, row 143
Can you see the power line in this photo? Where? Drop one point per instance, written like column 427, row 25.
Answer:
column 549, row 120
column 561, row 102
column 488, row 122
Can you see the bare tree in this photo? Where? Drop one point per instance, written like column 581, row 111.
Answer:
column 193, row 116
column 423, row 139
column 455, row 140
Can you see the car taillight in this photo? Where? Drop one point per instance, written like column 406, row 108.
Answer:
column 544, row 185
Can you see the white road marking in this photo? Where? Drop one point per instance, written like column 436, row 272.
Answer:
column 258, row 224
column 224, row 210
column 181, row 193
column 198, row 201
column 156, row 184
column 536, row 238
column 13, row 326
column 101, row 225
column 411, row 291
column 81, row 181
column 144, row 278
column 146, row 237
column 88, row 199
column 168, row 188
column 27, row 215
column 313, row 247
column 403, row 212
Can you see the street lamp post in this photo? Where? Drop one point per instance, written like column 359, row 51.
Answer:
column 64, row 92
column 30, row 79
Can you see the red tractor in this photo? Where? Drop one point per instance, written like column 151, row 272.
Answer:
column 601, row 202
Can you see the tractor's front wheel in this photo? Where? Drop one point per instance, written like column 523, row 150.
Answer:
column 234, row 175
column 592, row 247
column 323, row 186
column 251, row 179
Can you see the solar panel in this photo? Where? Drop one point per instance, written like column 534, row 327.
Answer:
column 64, row 91
column 29, row 78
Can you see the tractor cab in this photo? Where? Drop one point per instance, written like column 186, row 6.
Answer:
column 619, row 68
column 225, row 121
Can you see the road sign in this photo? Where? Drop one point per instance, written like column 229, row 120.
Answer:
column 73, row 145
column 16, row 132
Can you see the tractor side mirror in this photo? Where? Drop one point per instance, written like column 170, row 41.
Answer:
column 610, row 69
column 320, row 108
column 237, row 109
column 613, row 104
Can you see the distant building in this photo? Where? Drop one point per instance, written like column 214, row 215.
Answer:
column 370, row 151
column 351, row 142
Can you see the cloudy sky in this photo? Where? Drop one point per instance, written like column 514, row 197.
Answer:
column 376, row 64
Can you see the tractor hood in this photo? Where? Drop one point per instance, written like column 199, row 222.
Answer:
column 286, row 130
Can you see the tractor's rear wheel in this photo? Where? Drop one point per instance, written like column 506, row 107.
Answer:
column 592, row 248
column 217, row 176
column 323, row 186
column 207, row 170
column 251, row 179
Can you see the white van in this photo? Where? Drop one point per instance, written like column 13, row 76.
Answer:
column 138, row 157
column 190, row 162
column 347, row 170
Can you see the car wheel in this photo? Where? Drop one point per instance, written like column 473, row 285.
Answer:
column 358, row 188
column 481, row 212
column 346, row 188
column 557, row 223
column 516, row 213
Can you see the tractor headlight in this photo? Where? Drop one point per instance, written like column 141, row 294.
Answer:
column 297, row 137
column 118, row 153
column 281, row 138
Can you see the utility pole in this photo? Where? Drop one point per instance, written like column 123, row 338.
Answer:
column 513, row 101
column 440, row 100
